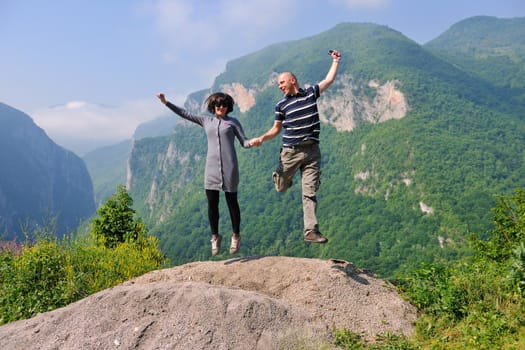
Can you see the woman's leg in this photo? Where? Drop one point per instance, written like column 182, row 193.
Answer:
column 213, row 217
column 213, row 210
column 235, row 216
column 235, row 211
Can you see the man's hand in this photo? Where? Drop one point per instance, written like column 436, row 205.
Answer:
column 256, row 142
column 336, row 55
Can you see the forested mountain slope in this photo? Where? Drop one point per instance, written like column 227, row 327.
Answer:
column 489, row 47
column 414, row 150
column 108, row 168
column 108, row 165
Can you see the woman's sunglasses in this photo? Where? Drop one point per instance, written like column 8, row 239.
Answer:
column 221, row 104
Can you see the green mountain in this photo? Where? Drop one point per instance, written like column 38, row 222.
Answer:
column 491, row 48
column 108, row 165
column 42, row 185
column 108, row 168
column 414, row 149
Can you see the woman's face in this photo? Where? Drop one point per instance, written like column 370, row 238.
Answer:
column 221, row 109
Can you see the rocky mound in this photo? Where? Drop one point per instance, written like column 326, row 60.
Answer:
column 245, row 303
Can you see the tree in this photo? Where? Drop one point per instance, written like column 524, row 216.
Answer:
column 115, row 222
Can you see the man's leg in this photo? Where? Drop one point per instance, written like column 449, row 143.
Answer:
column 311, row 176
column 289, row 162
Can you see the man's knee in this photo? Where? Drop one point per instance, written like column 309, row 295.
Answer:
column 281, row 184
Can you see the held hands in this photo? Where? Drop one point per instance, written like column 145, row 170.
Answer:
column 162, row 98
column 256, row 142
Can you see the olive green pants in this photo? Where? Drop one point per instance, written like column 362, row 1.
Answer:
column 307, row 159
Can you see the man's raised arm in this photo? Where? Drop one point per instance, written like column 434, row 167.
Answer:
column 332, row 72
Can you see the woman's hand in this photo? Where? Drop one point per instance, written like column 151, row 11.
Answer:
column 162, row 98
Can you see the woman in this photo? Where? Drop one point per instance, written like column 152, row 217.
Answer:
column 222, row 170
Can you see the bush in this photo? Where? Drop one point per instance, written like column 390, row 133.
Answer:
column 99, row 267
column 34, row 281
column 115, row 222
column 477, row 303
column 50, row 273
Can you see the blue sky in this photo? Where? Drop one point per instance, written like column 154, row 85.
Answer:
column 87, row 71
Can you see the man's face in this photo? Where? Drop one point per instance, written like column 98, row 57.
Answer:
column 286, row 83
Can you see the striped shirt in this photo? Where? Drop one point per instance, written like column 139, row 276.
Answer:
column 299, row 116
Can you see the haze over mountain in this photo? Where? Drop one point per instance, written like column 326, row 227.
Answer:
column 41, row 183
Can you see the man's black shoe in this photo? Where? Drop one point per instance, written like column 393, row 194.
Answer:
column 315, row 237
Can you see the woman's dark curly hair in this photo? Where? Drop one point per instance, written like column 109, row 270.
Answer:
column 219, row 98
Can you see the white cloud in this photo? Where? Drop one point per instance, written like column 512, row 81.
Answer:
column 363, row 4
column 182, row 26
column 193, row 28
column 91, row 125
column 258, row 18
column 199, row 37
column 75, row 104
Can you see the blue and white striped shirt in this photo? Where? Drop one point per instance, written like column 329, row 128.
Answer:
column 299, row 116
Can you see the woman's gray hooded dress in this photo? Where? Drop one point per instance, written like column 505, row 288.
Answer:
column 222, row 169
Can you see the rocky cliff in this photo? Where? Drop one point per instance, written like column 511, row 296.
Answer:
column 346, row 108
column 41, row 183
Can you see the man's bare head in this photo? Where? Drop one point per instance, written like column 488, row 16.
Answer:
column 287, row 83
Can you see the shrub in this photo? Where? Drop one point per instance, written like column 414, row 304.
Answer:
column 115, row 222
column 50, row 273
column 477, row 303
column 34, row 281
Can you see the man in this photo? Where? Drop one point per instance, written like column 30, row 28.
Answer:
column 297, row 114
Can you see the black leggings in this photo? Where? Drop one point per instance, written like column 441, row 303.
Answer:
column 213, row 210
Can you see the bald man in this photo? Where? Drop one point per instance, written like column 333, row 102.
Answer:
column 298, row 116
